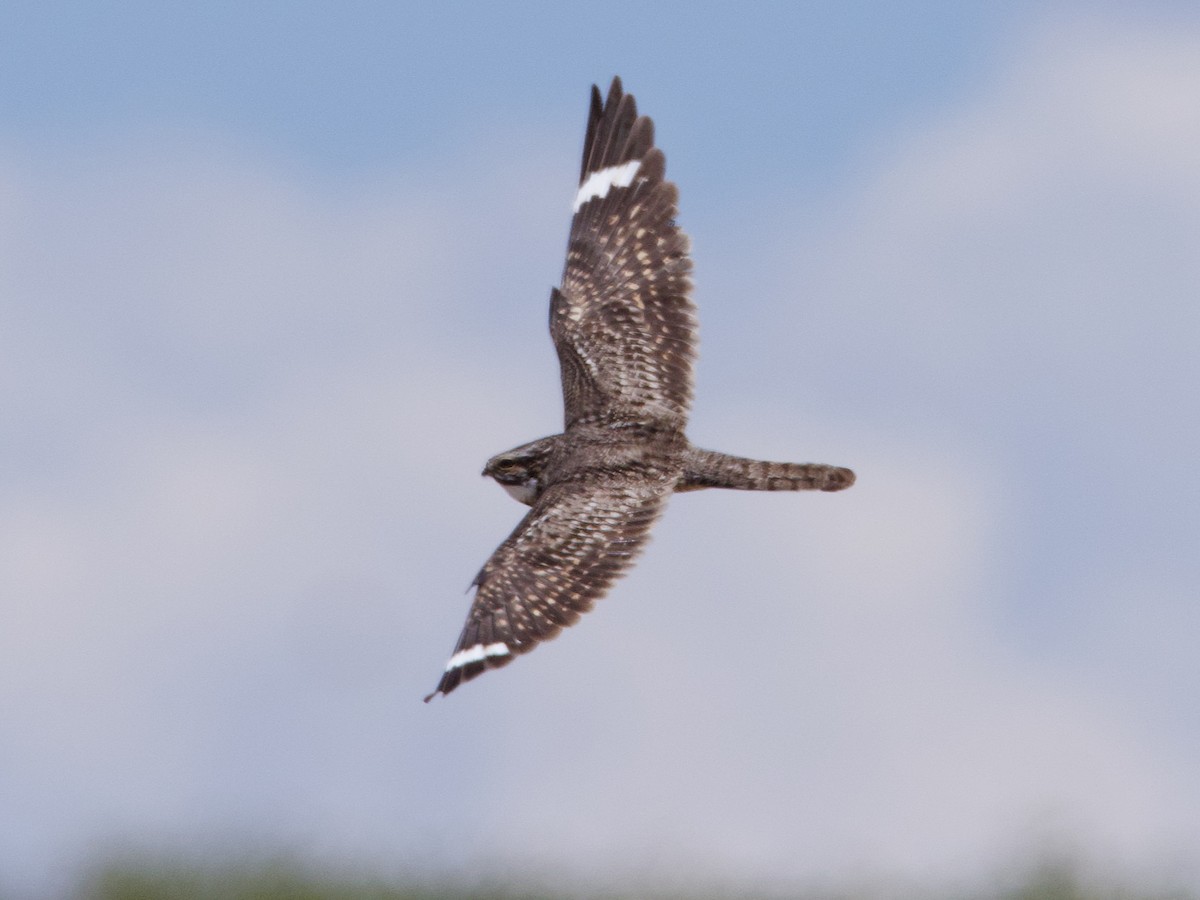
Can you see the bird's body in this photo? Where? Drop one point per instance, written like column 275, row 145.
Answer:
column 624, row 327
column 527, row 470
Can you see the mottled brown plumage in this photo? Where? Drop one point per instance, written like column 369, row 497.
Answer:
column 624, row 327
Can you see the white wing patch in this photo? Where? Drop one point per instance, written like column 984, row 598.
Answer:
column 599, row 183
column 475, row 654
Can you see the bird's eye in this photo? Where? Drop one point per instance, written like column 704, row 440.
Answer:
column 505, row 464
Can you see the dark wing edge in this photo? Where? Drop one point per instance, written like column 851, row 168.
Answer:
column 624, row 314
column 562, row 557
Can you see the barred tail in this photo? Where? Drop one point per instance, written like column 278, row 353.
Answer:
column 706, row 468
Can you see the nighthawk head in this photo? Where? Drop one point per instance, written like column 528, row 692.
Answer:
column 519, row 471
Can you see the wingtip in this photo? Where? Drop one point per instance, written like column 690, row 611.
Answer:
column 445, row 686
column 616, row 95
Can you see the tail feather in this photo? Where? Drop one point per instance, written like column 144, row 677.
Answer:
column 709, row 469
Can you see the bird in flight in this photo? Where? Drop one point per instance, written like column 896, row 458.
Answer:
column 624, row 327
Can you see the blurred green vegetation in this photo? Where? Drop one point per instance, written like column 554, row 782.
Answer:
column 277, row 881
column 287, row 881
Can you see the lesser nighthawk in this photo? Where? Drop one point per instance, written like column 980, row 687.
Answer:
column 625, row 331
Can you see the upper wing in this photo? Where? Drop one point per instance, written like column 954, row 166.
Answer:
column 623, row 323
column 565, row 554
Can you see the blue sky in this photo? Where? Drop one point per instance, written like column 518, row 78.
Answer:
column 273, row 287
column 364, row 85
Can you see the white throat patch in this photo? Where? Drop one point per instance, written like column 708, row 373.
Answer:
column 524, row 493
